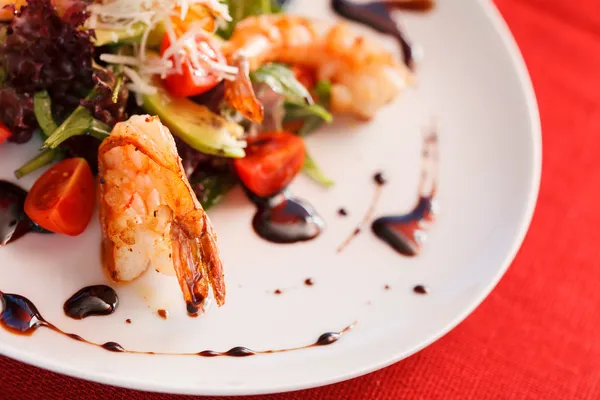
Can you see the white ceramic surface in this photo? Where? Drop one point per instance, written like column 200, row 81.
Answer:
column 472, row 81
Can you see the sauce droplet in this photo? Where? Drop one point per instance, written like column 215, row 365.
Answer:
column 209, row 353
column 420, row 289
column 327, row 338
column 379, row 178
column 114, row 347
column 19, row 315
column 164, row 314
column 92, row 300
column 127, row 321
column 277, row 291
column 308, row 282
column 283, row 219
column 387, row 287
column 342, row 212
column 239, row 352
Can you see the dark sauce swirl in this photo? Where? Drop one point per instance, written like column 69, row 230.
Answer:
column 407, row 233
column 20, row 316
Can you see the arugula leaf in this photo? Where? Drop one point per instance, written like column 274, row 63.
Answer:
column 80, row 122
column 314, row 115
column 283, row 81
column 41, row 160
column 211, row 189
column 299, row 102
column 42, row 108
column 311, row 169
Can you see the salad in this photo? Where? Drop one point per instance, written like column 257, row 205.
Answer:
column 165, row 106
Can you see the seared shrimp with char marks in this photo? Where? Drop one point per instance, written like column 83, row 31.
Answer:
column 365, row 76
column 151, row 217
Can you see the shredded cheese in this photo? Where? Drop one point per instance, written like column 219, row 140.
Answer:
column 129, row 15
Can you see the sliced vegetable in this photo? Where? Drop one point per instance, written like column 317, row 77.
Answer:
column 4, row 132
column 197, row 125
column 272, row 161
column 311, row 169
column 42, row 107
column 131, row 34
column 62, row 199
column 41, row 160
column 194, row 79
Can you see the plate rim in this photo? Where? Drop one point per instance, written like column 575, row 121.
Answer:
column 518, row 63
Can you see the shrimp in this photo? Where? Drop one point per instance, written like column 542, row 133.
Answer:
column 364, row 75
column 150, row 216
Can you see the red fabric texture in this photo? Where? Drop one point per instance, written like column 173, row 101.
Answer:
column 537, row 336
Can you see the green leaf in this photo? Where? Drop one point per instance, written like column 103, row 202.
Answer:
column 323, row 91
column 80, row 122
column 211, row 189
column 315, row 115
column 42, row 108
column 283, row 81
column 297, row 111
column 311, row 169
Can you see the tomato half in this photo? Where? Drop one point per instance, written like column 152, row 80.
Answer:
column 4, row 132
column 306, row 76
column 272, row 161
column 62, row 199
column 193, row 81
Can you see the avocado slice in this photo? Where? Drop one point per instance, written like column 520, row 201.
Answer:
column 196, row 125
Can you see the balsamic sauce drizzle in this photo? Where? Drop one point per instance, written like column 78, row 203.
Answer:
column 421, row 289
column 378, row 16
column 14, row 223
column 284, row 219
column 407, row 233
column 380, row 181
column 20, row 316
column 92, row 300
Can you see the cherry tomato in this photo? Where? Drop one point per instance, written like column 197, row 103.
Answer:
column 4, row 132
column 192, row 81
column 306, row 76
column 272, row 161
column 62, row 199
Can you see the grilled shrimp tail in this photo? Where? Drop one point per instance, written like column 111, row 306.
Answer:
column 150, row 215
column 196, row 261
column 240, row 95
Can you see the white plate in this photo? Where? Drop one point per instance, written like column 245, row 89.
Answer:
column 473, row 82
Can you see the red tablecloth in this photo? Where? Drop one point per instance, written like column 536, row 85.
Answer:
column 537, row 336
